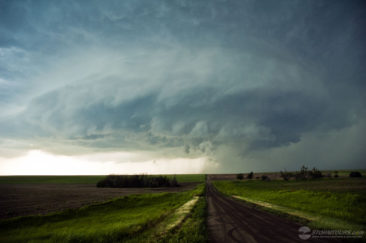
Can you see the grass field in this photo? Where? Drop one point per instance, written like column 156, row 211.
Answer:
column 192, row 230
column 82, row 179
column 121, row 219
column 334, row 203
column 181, row 178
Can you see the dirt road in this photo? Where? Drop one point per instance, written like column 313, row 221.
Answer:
column 230, row 220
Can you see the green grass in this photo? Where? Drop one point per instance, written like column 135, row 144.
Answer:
column 337, row 200
column 192, row 230
column 111, row 221
column 189, row 177
column 82, row 179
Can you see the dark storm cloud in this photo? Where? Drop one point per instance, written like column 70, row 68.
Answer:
column 227, row 79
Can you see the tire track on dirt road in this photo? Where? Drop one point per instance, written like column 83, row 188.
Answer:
column 230, row 220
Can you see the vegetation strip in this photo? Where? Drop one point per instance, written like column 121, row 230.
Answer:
column 181, row 213
column 193, row 229
column 185, row 224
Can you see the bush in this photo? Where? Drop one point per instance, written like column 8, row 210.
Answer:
column 137, row 181
column 265, row 178
column 240, row 176
column 250, row 175
column 336, row 174
column 355, row 174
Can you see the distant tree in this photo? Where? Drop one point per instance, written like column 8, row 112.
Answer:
column 250, row 175
column 315, row 173
column 336, row 174
column 355, row 174
column 137, row 181
column 304, row 170
column 302, row 174
column 286, row 175
column 265, row 178
column 240, row 176
column 173, row 181
column 305, row 174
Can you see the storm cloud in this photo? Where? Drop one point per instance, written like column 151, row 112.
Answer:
column 251, row 85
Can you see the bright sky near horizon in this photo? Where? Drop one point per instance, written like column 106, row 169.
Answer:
column 181, row 86
column 37, row 162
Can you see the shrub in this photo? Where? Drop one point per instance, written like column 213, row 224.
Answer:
column 240, row 176
column 137, row 181
column 265, row 178
column 336, row 174
column 250, row 175
column 355, row 174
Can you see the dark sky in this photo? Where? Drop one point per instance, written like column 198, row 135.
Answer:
column 245, row 85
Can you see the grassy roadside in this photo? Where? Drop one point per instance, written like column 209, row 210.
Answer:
column 191, row 230
column 181, row 178
column 327, row 203
column 112, row 221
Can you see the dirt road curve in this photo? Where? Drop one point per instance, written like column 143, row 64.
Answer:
column 230, row 220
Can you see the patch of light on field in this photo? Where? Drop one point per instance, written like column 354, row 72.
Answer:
column 37, row 162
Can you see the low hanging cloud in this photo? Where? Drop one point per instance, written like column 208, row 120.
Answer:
column 249, row 89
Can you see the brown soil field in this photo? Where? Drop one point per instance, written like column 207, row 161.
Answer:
column 34, row 199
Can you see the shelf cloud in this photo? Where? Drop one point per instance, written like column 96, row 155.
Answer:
column 246, row 85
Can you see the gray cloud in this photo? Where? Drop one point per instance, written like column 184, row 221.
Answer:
column 239, row 82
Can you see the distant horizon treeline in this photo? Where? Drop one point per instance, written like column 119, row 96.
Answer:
column 303, row 174
column 138, row 181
